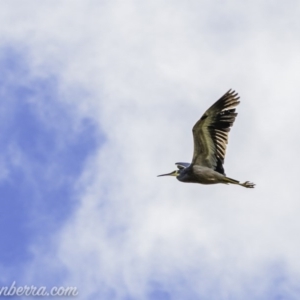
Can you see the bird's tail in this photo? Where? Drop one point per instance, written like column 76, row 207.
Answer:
column 246, row 184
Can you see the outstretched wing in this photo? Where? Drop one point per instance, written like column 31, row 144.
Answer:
column 211, row 132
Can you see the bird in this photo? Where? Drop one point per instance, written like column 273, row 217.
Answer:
column 210, row 135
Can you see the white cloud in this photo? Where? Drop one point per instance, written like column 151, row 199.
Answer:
column 152, row 69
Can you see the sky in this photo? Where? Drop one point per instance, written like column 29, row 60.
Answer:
column 99, row 97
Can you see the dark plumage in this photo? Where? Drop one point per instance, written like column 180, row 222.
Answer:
column 210, row 140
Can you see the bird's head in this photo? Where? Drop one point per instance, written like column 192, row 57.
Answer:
column 181, row 170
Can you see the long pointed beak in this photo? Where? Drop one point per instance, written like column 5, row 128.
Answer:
column 174, row 173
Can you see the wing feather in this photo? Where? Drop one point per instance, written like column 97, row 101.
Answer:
column 211, row 132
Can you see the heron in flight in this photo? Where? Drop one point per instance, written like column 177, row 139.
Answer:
column 210, row 140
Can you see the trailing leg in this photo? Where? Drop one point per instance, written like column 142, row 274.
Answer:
column 246, row 184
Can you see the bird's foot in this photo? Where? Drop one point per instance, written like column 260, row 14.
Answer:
column 248, row 184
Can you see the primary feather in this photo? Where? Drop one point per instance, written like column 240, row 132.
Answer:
column 211, row 132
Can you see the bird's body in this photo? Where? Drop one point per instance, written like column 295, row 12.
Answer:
column 200, row 174
column 210, row 139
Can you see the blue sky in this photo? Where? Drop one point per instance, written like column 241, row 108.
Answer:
column 43, row 152
column 98, row 98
